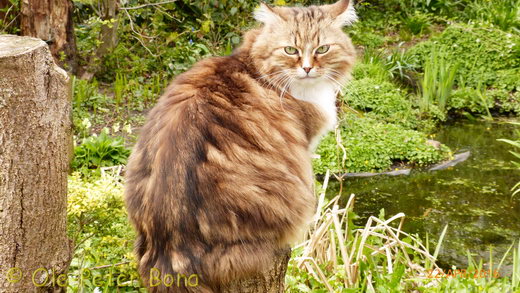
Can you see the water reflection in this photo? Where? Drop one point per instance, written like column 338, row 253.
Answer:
column 473, row 198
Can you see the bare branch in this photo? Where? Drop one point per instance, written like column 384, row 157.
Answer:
column 147, row 5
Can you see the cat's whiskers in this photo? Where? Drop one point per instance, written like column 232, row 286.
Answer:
column 281, row 85
column 335, row 81
column 285, row 88
column 275, row 75
column 274, row 83
column 278, row 81
column 264, row 77
column 334, row 75
column 341, row 76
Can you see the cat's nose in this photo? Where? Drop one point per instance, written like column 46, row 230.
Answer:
column 307, row 69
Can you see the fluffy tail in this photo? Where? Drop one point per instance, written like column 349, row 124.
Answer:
column 177, row 271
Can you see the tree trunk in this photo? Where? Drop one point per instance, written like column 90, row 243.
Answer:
column 35, row 150
column 51, row 21
column 108, row 34
column 107, row 37
column 272, row 281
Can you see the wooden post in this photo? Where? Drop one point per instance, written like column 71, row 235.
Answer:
column 35, row 149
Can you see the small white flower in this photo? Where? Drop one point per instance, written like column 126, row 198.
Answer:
column 127, row 128
column 116, row 127
column 86, row 123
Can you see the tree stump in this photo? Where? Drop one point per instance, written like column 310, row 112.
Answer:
column 271, row 281
column 51, row 21
column 35, row 151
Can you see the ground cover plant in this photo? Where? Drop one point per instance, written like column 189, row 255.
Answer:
column 421, row 63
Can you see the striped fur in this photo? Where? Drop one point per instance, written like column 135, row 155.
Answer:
column 221, row 175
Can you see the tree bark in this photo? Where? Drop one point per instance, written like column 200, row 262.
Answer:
column 51, row 21
column 272, row 281
column 35, row 151
column 107, row 37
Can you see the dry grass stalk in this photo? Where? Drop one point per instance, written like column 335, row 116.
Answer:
column 328, row 245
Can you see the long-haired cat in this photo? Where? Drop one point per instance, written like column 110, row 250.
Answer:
column 221, row 176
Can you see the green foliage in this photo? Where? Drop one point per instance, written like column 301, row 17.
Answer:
column 120, row 84
column 362, row 37
column 467, row 98
column 99, row 151
column 443, row 7
column 366, row 145
column 516, row 145
column 162, row 38
column 87, row 102
column 479, row 101
column 506, row 101
column 437, row 83
column 417, row 23
column 86, row 95
column 10, row 12
column 482, row 62
column 384, row 66
column 381, row 100
column 481, row 53
column 103, row 238
column 504, row 14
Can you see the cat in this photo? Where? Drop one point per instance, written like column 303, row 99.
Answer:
column 221, row 176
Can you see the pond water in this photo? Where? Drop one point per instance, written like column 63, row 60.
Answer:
column 473, row 198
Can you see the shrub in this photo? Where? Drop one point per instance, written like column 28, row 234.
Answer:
column 417, row 23
column 365, row 144
column 502, row 13
column 103, row 238
column 481, row 52
column 382, row 100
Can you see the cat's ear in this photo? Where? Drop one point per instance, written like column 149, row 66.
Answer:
column 266, row 14
column 343, row 12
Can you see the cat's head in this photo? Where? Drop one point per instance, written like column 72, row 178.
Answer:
column 304, row 44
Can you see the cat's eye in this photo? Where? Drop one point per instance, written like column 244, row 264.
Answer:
column 323, row 49
column 291, row 50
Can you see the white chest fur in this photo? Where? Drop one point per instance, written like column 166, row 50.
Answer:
column 322, row 94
